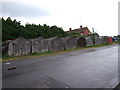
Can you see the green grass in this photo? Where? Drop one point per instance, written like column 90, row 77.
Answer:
column 44, row 53
column 6, row 57
column 34, row 55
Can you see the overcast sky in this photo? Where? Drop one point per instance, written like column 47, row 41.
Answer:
column 102, row 15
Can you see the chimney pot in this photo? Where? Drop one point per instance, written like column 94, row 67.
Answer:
column 81, row 26
column 70, row 29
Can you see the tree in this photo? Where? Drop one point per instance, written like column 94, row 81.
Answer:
column 93, row 36
column 12, row 29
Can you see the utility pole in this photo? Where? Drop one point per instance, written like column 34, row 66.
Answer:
column 93, row 36
column 93, row 31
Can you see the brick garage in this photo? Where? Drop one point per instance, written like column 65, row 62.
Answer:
column 100, row 40
column 89, row 41
column 84, row 41
column 39, row 45
column 55, row 44
column 97, row 41
column 19, row 47
column 69, row 42
column 81, row 41
column 4, row 47
column 109, row 40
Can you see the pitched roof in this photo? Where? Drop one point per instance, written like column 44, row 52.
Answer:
column 78, row 30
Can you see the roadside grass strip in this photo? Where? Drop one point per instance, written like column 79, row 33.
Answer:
column 49, row 53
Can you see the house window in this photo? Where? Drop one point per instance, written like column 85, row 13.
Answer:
column 81, row 33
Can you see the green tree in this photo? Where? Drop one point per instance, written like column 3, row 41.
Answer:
column 12, row 29
column 93, row 36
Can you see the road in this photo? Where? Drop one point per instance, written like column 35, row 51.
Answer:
column 89, row 68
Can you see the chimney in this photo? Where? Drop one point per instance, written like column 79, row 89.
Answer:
column 70, row 29
column 81, row 26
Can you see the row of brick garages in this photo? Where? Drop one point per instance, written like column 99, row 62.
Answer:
column 22, row 46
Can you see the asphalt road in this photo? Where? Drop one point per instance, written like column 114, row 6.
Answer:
column 89, row 68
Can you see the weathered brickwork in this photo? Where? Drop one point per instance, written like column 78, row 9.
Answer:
column 100, row 40
column 55, row 44
column 81, row 42
column 39, row 45
column 21, row 46
column 69, row 42
column 89, row 41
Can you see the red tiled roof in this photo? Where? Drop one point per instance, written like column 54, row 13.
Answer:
column 78, row 29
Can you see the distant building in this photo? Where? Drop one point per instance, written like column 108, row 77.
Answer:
column 109, row 40
column 82, row 30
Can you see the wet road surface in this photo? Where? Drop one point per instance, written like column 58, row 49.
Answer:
column 89, row 68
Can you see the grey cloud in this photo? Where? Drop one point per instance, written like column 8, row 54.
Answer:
column 15, row 9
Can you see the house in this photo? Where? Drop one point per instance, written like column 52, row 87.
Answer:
column 82, row 30
column 39, row 45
